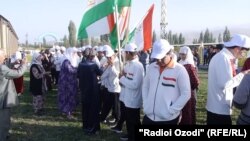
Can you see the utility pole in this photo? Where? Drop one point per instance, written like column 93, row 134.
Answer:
column 163, row 19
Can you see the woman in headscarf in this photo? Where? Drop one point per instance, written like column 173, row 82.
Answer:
column 88, row 72
column 67, row 83
column 15, row 64
column 187, row 60
column 37, row 83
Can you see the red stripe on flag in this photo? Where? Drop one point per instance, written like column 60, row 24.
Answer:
column 147, row 29
column 125, row 23
column 111, row 21
column 168, row 78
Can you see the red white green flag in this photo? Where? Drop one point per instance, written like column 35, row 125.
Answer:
column 142, row 34
column 99, row 18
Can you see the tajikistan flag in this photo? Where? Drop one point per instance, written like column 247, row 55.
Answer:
column 142, row 34
column 99, row 18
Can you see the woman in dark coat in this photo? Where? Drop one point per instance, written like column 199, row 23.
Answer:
column 88, row 71
column 38, row 85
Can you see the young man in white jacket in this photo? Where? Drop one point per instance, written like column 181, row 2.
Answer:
column 111, row 77
column 131, row 82
column 222, row 79
column 166, row 87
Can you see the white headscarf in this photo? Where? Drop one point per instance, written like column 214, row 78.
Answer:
column 71, row 55
column 16, row 56
column 35, row 58
column 189, row 56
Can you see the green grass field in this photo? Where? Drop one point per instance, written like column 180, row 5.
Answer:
column 54, row 126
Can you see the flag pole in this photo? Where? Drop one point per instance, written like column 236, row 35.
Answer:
column 127, row 34
column 118, row 35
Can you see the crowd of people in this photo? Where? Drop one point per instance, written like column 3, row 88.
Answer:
column 123, row 84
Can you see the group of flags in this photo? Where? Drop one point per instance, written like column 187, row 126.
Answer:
column 112, row 17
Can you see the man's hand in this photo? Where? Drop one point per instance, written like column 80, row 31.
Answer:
column 246, row 71
column 122, row 73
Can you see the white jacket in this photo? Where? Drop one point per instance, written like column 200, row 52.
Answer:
column 164, row 95
column 58, row 60
column 111, row 77
column 131, row 84
column 221, row 83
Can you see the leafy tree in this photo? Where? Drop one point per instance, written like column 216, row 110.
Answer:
column 206, row 36
column 44, row 42
column 195, row 41
column 65, row 41
column 220, row 38
column 104, row 38
column 84, row 42
column 175, row 39
column 170, row 37
column 94, row 41
column 226, row 35
column 181, row 39
column 26, row 43
column 72, row 33
column 211, row 38
column 201, row 38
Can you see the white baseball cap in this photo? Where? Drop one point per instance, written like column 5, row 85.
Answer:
column 131, row 47
column 109, row 53
column 57, row 47
column 238, row 40
column 160, row 49
column 95, row 48
column 100, row 49
column 106, row 48
column 63, row 48
column 88, row 46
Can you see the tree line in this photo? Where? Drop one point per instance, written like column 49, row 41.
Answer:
column 208, row 37
column 173, row 38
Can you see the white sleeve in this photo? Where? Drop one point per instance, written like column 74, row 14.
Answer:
column 137, row 79
column 145, row 85
column 223, row 73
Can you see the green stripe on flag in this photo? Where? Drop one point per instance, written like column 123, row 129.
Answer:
column 128, row 40
column 131, row 35
column 113, row 38
column 94, row 14
column 123, row 3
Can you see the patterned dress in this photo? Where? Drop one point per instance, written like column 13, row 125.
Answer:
column 37, row 87
column 188, row 112
column 67, row 88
